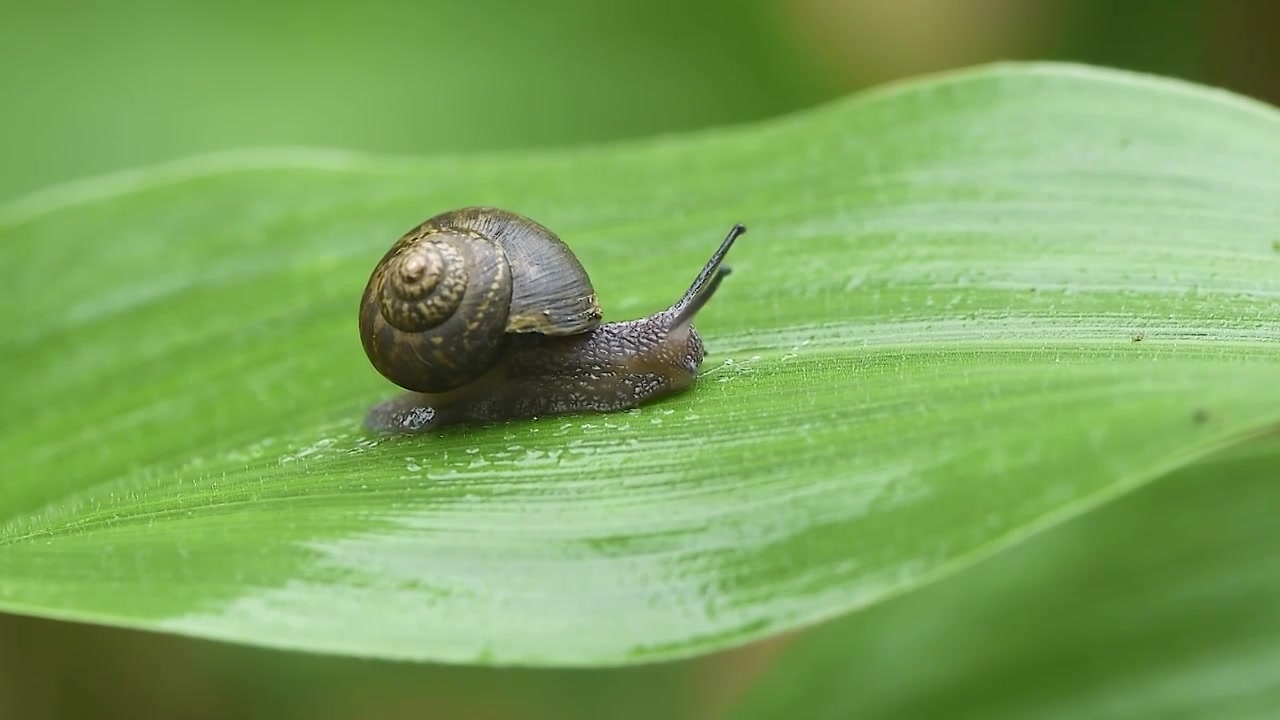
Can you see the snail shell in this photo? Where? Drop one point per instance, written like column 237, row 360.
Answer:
column 439, row 306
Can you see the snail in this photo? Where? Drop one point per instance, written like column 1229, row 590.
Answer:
column 484, row 315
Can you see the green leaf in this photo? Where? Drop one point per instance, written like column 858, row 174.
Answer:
column 1165, row 604
column 968, row 308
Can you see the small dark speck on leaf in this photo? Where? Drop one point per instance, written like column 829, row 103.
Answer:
column 1275, row 245
column 1137, row 337
column 1200, row 416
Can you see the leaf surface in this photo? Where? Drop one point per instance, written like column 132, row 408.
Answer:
column 1163, row 604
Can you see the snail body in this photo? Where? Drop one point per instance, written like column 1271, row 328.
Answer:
column 484, row 315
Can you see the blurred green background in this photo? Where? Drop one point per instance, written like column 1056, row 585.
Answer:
column 87, row 88
column 91, row 87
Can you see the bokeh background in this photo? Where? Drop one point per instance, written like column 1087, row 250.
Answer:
column 94, row 87
column 88, row 87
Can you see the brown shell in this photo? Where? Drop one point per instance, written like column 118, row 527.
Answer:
column 438, row 307
column 551, row 293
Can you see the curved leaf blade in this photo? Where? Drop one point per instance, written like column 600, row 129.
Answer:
column 967, row 308
column 1163, row 604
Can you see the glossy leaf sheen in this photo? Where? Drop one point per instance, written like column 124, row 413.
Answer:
column 966, row 308
column 1165, row 604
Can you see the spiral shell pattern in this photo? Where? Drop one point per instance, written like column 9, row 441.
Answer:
column 434, row 313
column 422, row 286
column 446, row 299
